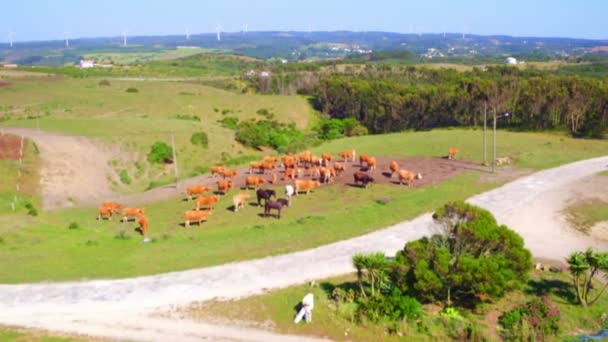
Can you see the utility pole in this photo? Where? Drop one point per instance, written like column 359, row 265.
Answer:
column 175, row 161
column 485, row 124
column 494, row 145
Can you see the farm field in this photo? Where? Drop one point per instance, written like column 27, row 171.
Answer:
column 274, row 310
column 129, row 123
column 109, row 249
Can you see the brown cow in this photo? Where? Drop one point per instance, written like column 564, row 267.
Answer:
column 328, row 174
column 452, row 152
column 364, row 158
column 326, row 158
column 142, row 220
column 253, row 181
column 195, row 216
column 224, row 186
column 197, row 190
column 112, row 205
column 207, row 202
column 348, row 155
column 314, row 160
column 274, row 178
column 394, row 167
column 131, row 213
column 305, row 185
column 305, row 157
column 314, row 173
column 289, row 174
column 363, row 178
column 267, row 167
column 105, row 212
column 216, row 170
column 339, row 168
column 228, row 174
column 254, row 165
column 408, row 177
column 270, row 159
column 289, row 162
column 371, row 164
column 239, row 200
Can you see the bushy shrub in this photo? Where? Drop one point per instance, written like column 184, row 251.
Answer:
column 73, row 225
column 229, row 122
column 337, row 128
column 394, row 307
column 160, row 152
column 200, row 139
column 124, row 177
column 132, row 90
column 539, row 314
column 104, row 83
column 31, row 210
column 267, row 133
column 357, row 131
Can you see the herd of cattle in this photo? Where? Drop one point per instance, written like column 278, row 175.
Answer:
column 303, row 172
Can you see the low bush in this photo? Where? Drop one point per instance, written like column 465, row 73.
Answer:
column 268, row 133
column 188, row 117
column 132, row 90
column 104, row 83
column 539, row 316
column 160, row 152
column 338, row 128
column 31, row 210
column 74, row 225
column 200, row 139
column 394, row 307
column 124, row 177
column 230, row 122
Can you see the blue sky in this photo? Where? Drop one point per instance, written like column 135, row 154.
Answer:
column 49, row 19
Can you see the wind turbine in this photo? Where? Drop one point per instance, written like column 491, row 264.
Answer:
column 187, row 32
column 124, row 37
column 11, row 34
column 245, row 28
column 218, row 30
column 443, row 29
column 66, row 36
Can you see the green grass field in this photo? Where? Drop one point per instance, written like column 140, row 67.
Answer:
column 276, row 308
column 43, row 248
column 134, row 121
column 11, row 334
column 28, row 181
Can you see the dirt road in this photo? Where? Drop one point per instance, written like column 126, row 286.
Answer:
column 121, row 308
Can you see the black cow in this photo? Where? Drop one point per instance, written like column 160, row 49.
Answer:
column 278, row 205
column 363, row 178
column 265, row 194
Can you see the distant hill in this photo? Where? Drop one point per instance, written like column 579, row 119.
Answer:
column 309, row 46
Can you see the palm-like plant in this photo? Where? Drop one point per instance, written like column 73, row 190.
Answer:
column 583, row 268
column 375, row 265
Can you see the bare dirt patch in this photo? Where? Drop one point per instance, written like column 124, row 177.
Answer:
column 10, row 146
column 4, row 84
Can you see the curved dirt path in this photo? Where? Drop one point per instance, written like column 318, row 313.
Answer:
column 74, row 169
column 122, row 308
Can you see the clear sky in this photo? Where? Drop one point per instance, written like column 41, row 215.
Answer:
column 49, row 19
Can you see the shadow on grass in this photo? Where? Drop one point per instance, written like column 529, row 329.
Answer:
column 556, row 287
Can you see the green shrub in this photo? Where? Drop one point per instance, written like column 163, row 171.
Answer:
column 104, row 83
column 539, row 316
column 160, row 152
column 31, row 210
column 188, row 117
column 357, row 131
column 73, row 225
column 268, row 133
column 124, row 177
column 132, row 90
column 336, row 128
column 229, row 122
column 200, row 139
column 393, row 307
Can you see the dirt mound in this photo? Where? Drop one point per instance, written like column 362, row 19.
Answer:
column 9, row 146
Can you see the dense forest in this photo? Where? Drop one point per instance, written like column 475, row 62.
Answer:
column 386, row 99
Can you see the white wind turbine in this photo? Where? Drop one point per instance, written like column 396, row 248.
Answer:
column 218, row 30
column 11, row 34
column 124, row 37
column 443, row 29
column 187, row 32
column 245, row 28
column 66, row 36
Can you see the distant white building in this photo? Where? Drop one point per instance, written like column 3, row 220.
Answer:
column 511, row 60
column 86, row 63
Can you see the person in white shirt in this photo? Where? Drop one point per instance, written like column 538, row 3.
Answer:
column 306, row 311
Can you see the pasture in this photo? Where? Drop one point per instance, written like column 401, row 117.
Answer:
column 45, row 248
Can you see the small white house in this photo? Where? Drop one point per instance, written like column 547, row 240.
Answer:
column 86, row 63
column 511, row 60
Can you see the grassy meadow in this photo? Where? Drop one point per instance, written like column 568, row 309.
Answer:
column 28, row 181
column 336, row 321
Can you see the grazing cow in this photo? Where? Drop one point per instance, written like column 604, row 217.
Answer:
column 363, row 178
column 364, row 158
column 371, row 164
column 228, row 174
column 314, row 173
column 216, row 170
column 267, row 167
column 207, row 202
column 273, row 205
column 326, row 158
column 239, row 200
column 289, row 191
column 254, row 165
column 112, row 205
column 131, row 213
column 394, row 167
column 289, row 174
column 327, row 174
column 305, row 157
column 265, row 194
column 196, row 216
column 289, row 162
column 105, row 212
column 408, row 177
column 316, row 161
column 348, row 155
column 452, row 152
column 224, row 186
column 339, row 168
column 305, row 185
column 197, row 190
column 142, row 220
column 253, row 181
column 274, row 177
